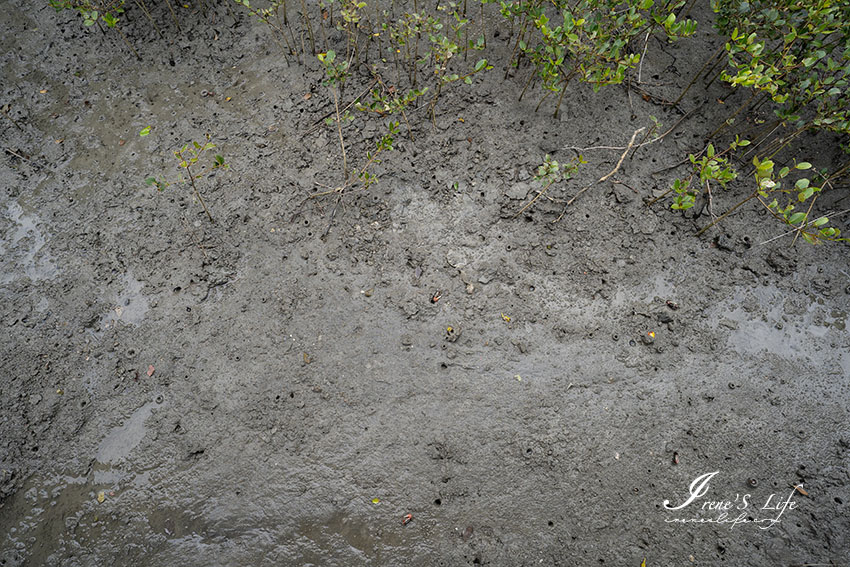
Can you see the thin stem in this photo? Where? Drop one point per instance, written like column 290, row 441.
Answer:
column 173, row 15
column 727, row 121
column 197, row 193
column 561, row 98
column 341, row 141
column 726, row 214
column 698, row 73
column 528, row 82
column 516, row 46
column 6, row 114
column 136, row 53
column 309, row 26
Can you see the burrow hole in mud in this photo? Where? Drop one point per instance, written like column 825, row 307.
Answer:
column 443, row 365
column 437, row 502
column 550, row 523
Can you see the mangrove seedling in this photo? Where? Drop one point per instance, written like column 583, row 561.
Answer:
column 189, row 158
column 96, row 11
column 551, row 172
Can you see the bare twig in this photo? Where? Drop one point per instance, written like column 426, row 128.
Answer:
column 652, row 141
column 606, row 176
column 9, row 116
column 25, row 158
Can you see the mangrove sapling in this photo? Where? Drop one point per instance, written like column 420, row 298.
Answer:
column 188, row 158
column 337, row 73
column 589, row 39
column 444, row 47
column 708, row 167
column 798, row 56
column 385, row 101
column 769, row 184
column 780, row 201
column 350, row 13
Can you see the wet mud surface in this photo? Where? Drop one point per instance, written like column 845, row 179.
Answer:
column 175, row 391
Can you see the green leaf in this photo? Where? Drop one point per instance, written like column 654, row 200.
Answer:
column 821, row 221
column 803, row 165
column 797, row 218
column 801, row 183
column 480, row 65
column 150, row 180
column 145, row 131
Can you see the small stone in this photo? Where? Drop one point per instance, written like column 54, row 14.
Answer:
column 406, row 340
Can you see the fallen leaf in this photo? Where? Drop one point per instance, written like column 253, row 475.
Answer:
column 375, row 500
column 122, row 142
column 307, row 359
column 643, row 563
column 799, row 489
column 101, row 497
column 505, row 318
column 308, row 96
column 518, row 378
column 60, row 140
column 228, row 99
column 43, row 91
column 150, row 369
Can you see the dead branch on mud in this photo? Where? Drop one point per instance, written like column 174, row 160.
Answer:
column 606, row 176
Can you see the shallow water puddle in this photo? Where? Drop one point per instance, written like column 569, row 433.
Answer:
column 119, row 442
column 23, row 248
column 130, row 305
column 40, row 513
column 49, row 509
column 784, row 329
